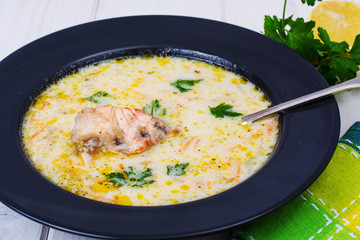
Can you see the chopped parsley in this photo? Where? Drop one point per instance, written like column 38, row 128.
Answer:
column 131, row 177
column 222, row 110
column 116, row 178
column 154, row 109
column 177, row 169
column 98, row 97
column 181, row 84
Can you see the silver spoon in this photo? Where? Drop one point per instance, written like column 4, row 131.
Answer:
column 350, row 84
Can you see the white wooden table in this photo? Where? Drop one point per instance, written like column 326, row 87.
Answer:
column 22, row 21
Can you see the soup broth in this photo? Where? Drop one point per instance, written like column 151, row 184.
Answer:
column 211, row 152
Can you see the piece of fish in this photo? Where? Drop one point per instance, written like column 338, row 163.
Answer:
column 116, row 129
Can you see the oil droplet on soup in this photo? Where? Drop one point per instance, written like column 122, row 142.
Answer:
column 212, row 151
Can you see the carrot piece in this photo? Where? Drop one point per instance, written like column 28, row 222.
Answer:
column 230, row 180
column 102, row 181
column 238, row 170
column 37, row 133
column 269, row 129
column 100, row 197
column 194, row 141
column 233, row 148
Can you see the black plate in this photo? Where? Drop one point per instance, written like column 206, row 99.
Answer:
column 308, row 139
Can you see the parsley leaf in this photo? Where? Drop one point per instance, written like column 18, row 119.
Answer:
column 299, row 37
column 177, row 169
column 355, row 49
column 310, row 2
column 98, row 97
column 137, row 178
column 130, row 177
column 116, row 178
column 154, row 109
column 181, row 83
column 337, row 63
column 222, row 110
column 332, row 59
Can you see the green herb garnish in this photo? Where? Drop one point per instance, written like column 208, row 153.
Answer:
column 98, row 97
column 130, row 178
column 222, row 110
column 154, row 109
column 177, row 169
column 116, row 178
column 181, row 84
column 335, row 61
column 310, row 2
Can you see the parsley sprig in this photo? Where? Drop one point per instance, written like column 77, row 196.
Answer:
column 335, row 61
column 98, row 97
column 131, row 177
column 177, row 169
column 154, row 109
column 181, row 84
column 310, row 2
column 222, row 110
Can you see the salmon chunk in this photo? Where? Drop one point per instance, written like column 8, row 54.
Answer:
column 116, row 129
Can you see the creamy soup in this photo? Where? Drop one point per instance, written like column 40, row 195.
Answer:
column 211, row 152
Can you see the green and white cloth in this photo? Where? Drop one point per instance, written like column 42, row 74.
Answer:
column 328, row 209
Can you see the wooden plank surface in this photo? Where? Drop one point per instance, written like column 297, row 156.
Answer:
column 212, row 9
column 14, row 226
column 22, row 21
column 60, row 235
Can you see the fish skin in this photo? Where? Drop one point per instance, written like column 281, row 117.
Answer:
column 116, row 129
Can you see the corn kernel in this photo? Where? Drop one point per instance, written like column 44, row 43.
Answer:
column 185, row 187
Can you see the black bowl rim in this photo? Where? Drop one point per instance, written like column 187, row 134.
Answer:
column 305, row 128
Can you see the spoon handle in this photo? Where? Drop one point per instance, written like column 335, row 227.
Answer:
column 353, row 83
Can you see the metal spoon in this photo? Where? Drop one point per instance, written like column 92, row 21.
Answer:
column 353, row 83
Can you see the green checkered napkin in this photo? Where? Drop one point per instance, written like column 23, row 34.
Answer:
column 328, row 209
